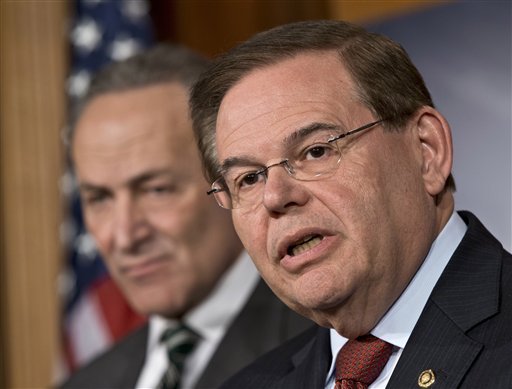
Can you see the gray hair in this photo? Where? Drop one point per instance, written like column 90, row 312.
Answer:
column 164, row 63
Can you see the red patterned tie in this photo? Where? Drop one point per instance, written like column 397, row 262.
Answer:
column 360, row 361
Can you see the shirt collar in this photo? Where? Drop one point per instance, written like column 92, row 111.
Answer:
column 219, row 309
column 397, row 324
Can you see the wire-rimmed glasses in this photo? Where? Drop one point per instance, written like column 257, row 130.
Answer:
column 316, row 156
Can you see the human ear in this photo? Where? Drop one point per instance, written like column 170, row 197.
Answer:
column 436, row 147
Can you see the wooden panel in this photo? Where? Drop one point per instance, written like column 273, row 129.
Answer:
column 32, row 111
column 362, row 11
column 212, row 27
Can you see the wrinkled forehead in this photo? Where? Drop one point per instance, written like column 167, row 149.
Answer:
column 269, row 103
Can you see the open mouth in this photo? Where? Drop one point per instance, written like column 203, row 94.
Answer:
column 307, row 243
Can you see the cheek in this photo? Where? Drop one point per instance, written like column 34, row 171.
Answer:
column 201, row 234
column 204, row 222
column 99, row 227
column 252, row 233
column 240, row 223
column 183, row 220
column 181, row 227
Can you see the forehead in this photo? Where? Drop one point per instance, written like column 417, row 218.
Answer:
column 131, row 131
column 160, row 108
column 146, row 105
column 268, row 104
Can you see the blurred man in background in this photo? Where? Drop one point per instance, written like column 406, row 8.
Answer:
column 171, row 250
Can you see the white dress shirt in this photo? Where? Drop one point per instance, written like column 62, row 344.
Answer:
column 210, row 320
column 397, row 324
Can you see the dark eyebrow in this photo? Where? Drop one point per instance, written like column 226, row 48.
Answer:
column 303, row 132
column 87, row 187
column 132, row 182
column 288, row 142
column 236, row 161
column 149, row 175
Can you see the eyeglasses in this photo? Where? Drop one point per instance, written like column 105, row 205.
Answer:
column 315, row 157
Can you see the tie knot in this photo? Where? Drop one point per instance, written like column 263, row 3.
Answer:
column 179, row 341
column 361, row 360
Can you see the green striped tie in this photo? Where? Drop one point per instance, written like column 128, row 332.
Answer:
column 180, row 341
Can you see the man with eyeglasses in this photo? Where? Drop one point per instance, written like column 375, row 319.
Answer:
column 323, row 141
column 172, row 251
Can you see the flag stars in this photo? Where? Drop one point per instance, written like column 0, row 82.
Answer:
column 78, row 83
column 86, row 35
column 66, row 283
column 123, row 47
column 86, row 247
column 68, row 183
column 135, row 9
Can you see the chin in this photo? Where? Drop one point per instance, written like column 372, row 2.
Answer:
column 318, row 290
column 157, row 302
column 320, row 303
column 321, row 306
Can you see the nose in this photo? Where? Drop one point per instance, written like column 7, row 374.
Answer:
column 130, row 224
column 282, row 192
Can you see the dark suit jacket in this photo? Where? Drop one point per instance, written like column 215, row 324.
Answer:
column 264, row 323
column 464, row 333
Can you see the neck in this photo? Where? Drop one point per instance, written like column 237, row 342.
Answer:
column 445, row 205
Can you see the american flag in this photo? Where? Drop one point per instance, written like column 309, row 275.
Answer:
column 96, row 313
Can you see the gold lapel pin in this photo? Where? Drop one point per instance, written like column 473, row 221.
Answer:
column 426, row 379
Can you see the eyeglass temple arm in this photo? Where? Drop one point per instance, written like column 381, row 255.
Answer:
column 366, row 126
column 214, row 190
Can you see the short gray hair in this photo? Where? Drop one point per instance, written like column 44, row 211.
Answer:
column 163, row 63
column 387, row 81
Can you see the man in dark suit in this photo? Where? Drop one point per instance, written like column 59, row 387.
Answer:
column 172, row 251
column 324, row 142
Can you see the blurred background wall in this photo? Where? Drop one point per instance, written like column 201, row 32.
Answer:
column 462, row 48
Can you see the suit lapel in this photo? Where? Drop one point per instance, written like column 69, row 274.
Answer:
column 263, row 324
column 310, row 364
column 465, row 295
column 129, row 358
column 436, row 344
